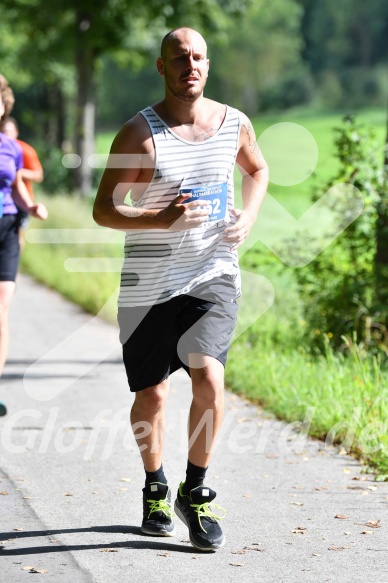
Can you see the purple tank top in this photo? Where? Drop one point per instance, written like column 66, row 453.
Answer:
column 11, row 160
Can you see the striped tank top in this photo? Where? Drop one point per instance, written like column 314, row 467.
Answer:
column 160, row 264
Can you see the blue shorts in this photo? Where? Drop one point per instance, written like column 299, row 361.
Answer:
column 158, row 339
column 9, row 247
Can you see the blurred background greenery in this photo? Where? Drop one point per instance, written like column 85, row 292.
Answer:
column 80, row 69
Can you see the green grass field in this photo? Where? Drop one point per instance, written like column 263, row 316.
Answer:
column 268, row 363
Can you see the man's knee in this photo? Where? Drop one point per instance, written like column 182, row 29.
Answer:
column 208, row 381
column 152, row 399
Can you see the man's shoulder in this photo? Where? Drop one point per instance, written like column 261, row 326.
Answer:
column 218, row 104
column 27, row 149
column 136, row 124
column 135, row 135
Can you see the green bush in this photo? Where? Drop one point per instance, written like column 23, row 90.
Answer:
column 340, row 287
column 57, row 178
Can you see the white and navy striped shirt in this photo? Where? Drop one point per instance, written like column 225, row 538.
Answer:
column 161, row 264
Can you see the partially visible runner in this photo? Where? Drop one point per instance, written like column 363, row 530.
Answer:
column 12, row 190
column 180, row 279
column 32, row 170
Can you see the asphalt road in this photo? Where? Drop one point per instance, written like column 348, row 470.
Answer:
column 71, row 475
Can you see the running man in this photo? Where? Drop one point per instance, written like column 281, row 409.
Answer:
column 180, row 278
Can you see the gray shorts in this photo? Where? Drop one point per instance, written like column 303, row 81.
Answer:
column 158, row 339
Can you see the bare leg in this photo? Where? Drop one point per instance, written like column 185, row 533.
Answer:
column 147, row 420
column 207, row 407
column 7, row 289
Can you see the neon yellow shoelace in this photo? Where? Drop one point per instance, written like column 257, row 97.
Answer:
column 203, row 511
column 160, row 506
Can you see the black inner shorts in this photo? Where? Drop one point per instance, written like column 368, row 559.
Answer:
column 158, row 339
column 9, row 247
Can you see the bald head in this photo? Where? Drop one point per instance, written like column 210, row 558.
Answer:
column 179, row 36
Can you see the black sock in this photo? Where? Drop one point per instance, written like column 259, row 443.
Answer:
column 194, row 477
column 157, row 476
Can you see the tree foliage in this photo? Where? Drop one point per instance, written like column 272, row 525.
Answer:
column 78, row 32
column 346, row 48
column 255, row 68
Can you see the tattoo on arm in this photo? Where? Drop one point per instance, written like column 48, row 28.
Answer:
column 252, row 144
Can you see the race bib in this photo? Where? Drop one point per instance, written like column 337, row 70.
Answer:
column 216, row 194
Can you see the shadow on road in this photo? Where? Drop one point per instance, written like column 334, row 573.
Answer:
column 58, row 548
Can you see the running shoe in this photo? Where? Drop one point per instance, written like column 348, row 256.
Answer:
column 197, row 513
column 157, row 513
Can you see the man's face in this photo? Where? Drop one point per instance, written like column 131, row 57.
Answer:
column 185, row 66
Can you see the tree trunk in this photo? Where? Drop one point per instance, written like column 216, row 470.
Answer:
column 381, row 266
column 85, row 118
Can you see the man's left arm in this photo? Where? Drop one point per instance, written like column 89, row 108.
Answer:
column 254, row 172
column 32, row 168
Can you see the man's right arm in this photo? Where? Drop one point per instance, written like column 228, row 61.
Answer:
column 130, row 155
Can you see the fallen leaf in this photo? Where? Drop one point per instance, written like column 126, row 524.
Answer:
column 299, row 530
column 371, row 488
column 321, row 488
column 33, row 570
column 373, row 523
column 366, row 532
column 241, row 552
column 297, row 503
column 126, row 480
column 341, row 516
column 236, row 564
column 27, row 498
column 164, row 554
column 108, row 550
column 4, row 493
column 253, row 549
column 68, row 494
column 346, row 471
column 347, row 532
column 337, row 548
column 18, row 529
column 317, row 555
column 247, row 495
